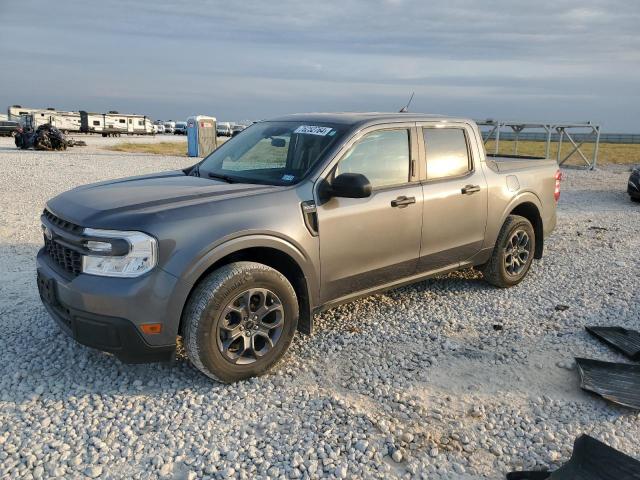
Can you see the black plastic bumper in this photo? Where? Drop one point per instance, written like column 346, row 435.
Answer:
column 108, row 334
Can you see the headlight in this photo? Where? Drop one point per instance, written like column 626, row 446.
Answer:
column 119, row 254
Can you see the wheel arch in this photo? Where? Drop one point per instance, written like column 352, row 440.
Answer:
column 271, row 251
column 528, row 208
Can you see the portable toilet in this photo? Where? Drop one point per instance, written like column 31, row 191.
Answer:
column 201, row 135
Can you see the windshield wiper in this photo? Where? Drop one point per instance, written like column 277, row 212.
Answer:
column 218, row 176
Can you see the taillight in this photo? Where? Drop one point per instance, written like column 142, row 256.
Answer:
column 556, row 192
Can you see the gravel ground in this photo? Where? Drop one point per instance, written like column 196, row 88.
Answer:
column 449, row 378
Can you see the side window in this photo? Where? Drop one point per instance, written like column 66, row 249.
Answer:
column 96, row 122
column 381, row 156
column 447, row 152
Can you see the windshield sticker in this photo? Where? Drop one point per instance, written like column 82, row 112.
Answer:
column 288, row 178
column 313, row 130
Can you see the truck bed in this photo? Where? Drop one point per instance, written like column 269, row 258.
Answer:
column 508, row 163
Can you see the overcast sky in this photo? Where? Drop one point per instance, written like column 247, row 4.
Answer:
column 251, row 59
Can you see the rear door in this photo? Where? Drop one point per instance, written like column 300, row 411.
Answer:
column 367, row 242
column 455, row 195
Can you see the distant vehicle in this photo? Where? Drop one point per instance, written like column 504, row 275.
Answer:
column 224, row 129
column 180, row 129
column 14, row 112
column 236, row 253
column 114, row 124
column 169, row 127
column 633, row 186
column 237, row 129
column 9, row 128
column 32, row 118
column 160, row 128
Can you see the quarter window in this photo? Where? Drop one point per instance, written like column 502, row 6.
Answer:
column 447, row 152
column 381, row 156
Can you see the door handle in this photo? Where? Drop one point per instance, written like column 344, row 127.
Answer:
column 470, row 189
column 403, row 201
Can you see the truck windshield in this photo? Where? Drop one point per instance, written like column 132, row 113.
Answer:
column 275, row 153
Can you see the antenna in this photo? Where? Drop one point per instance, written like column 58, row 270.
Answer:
column 405, row 109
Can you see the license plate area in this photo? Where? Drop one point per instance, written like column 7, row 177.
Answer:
column 47, row 288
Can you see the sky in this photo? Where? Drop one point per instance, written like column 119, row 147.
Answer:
column 541, row 60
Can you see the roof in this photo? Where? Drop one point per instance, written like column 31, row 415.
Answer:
column 362, row 118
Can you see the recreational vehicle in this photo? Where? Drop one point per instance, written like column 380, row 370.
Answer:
column 114, row 124
column 34, row 117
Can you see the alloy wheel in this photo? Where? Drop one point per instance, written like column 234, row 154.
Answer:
column 517, row 252
column 250, row 327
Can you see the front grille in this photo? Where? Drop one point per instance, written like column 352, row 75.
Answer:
column 69, row 260
column 63, row 224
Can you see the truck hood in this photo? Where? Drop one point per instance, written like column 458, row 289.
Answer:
column 91, row 205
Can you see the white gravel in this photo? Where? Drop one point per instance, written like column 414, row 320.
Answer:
column 449, row 378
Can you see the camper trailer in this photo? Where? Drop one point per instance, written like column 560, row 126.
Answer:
column 114, row 124
column 14, row 112
column 34, row 117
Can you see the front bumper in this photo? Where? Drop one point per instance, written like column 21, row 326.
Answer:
column 106, row 313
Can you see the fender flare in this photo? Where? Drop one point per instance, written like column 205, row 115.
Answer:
column 523, row 197
column 258, row 240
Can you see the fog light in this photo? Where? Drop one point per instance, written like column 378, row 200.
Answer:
column 102, row 247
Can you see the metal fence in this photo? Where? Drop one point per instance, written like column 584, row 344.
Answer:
column 542, row 137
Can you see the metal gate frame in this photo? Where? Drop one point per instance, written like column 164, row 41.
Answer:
column 562, row 129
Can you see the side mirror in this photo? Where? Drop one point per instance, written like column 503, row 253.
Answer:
column 350, row 185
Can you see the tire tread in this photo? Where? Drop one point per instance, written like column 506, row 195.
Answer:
column 203, row 295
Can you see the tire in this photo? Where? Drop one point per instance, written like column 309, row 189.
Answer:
column 223, row 338
column 508, row 266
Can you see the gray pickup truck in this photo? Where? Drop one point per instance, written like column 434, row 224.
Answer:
column 292, row 216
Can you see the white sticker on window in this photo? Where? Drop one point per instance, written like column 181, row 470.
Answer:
column 313, row 130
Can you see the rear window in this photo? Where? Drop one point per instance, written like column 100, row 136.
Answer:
column 447, row 152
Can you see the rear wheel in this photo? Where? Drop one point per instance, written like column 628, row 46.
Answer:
column 512, row 254
column 240, row 321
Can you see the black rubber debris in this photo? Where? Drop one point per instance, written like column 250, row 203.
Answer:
column 623, row 340
column 561, row 308
column 528, row 475
column 617, row 382
column 590, row 460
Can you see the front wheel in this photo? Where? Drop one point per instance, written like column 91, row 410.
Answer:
column 512, row 254
column 240, row 321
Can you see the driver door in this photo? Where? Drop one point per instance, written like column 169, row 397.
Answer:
column 369, row 242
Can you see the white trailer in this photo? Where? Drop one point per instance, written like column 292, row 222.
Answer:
column 14, row 112
column 34, row 117
column 115, row 124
